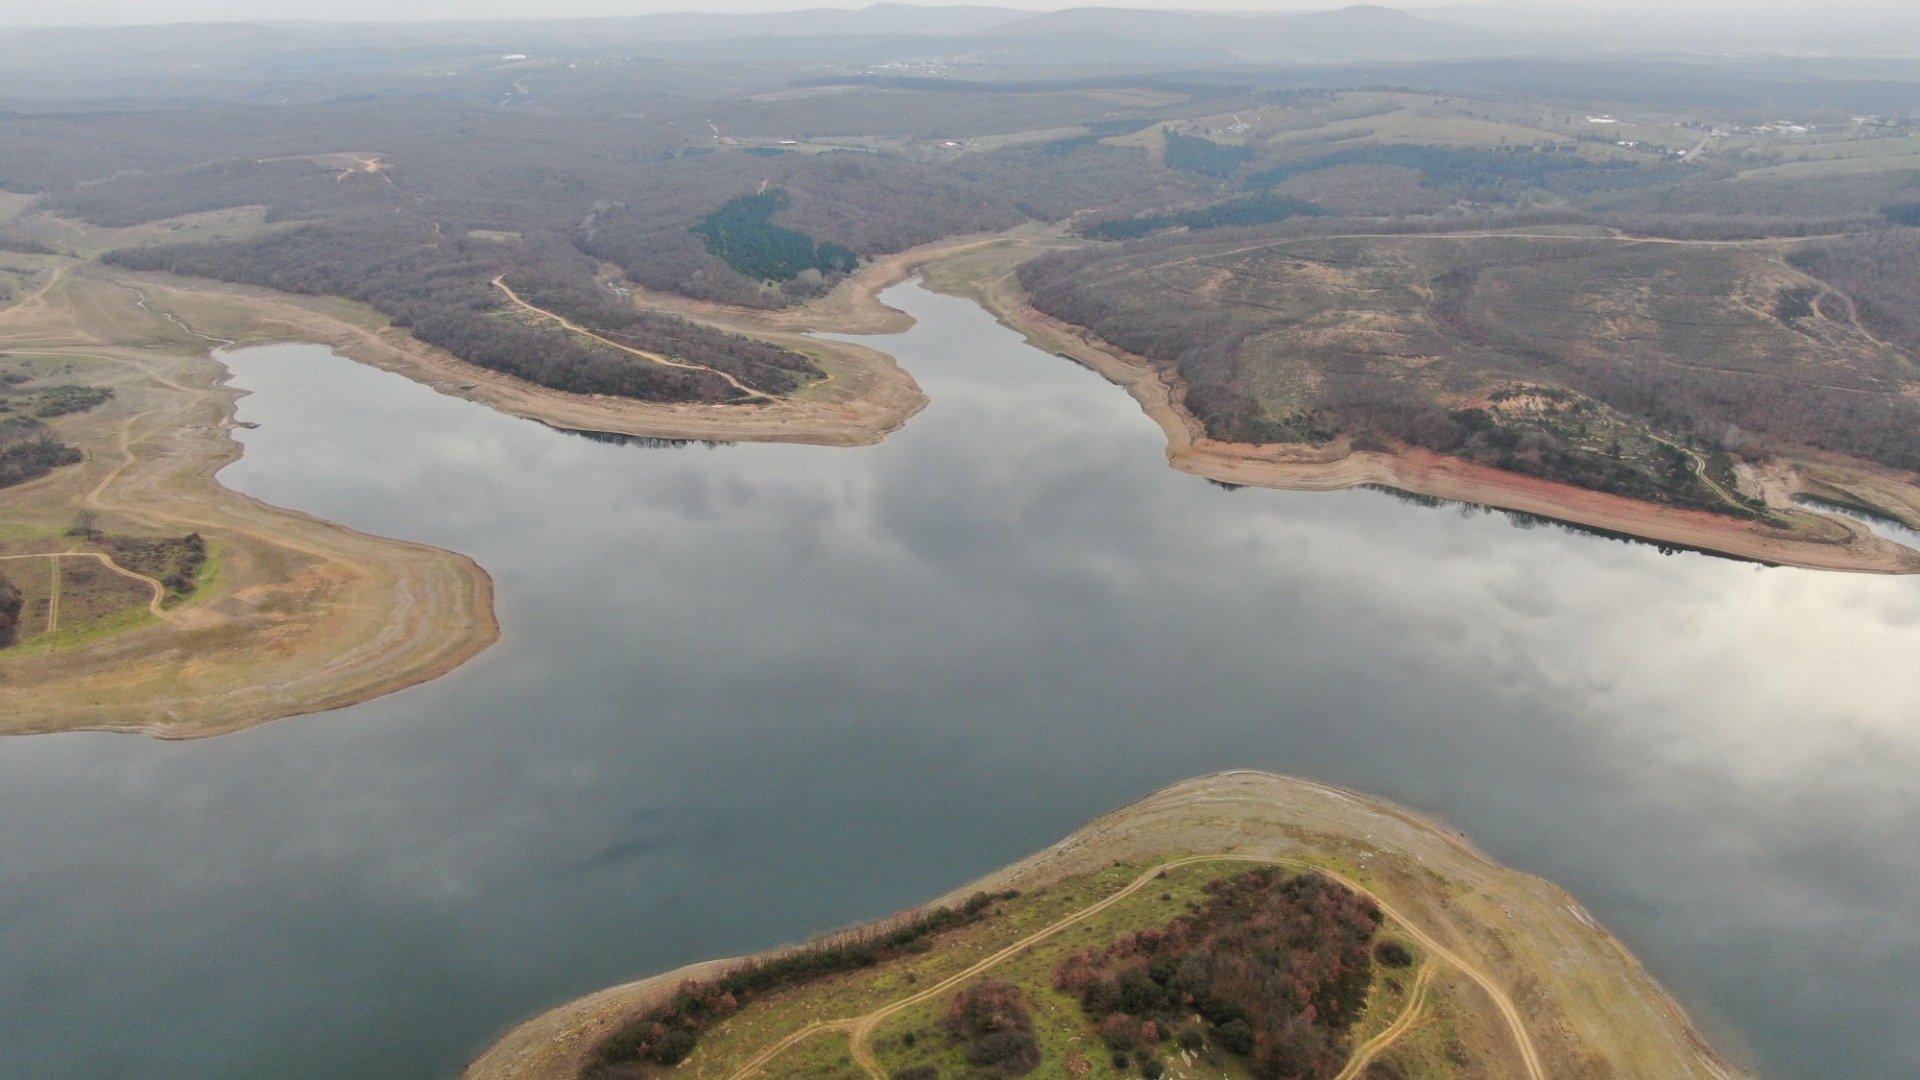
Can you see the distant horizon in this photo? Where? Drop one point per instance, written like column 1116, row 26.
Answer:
column 32, row 14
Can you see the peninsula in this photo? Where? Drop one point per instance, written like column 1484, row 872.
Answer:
column 1133, row 948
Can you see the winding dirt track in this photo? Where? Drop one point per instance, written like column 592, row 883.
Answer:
column 153, row 605
column 306, row 615
column 1374, row 1047
column 860, row 1029
column 653, row 357
column 53, row 597
column 1586, row 1001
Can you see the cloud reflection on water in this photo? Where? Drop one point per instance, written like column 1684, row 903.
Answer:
column 748, row 692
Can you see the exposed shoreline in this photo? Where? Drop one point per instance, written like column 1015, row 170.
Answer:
column 375, row 615
column 869, row 396
column 1821, row 542
column 306, row 615
column 1586, row 993
column 865, row 398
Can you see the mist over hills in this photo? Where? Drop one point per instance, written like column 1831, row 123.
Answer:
column 1357, row 31
column 275, row 63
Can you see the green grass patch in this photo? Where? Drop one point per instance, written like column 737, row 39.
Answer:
column 1191, row 153
column 69, row 635
column 743, row 234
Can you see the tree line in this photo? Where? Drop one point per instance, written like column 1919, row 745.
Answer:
column 10, row 604
column 1262, row 209
column 663, row 1036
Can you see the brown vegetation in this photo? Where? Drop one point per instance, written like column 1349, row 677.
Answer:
column 992, row 1022
column 1594, row 361
column 10, row 601
column 1277, row 965
column 1789, row 535
column 666, row 1034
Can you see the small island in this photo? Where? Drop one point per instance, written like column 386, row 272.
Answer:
column 1238, row 925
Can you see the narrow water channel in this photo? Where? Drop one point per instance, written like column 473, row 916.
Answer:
column 749, row 692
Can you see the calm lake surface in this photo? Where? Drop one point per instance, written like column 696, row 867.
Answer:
column 750, row 692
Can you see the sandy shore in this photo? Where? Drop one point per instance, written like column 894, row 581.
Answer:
column 309, row 615
column 1815, row 541
column 299, row 615
column 1583, row 998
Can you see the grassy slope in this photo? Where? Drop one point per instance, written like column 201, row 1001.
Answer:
column 1585, row 1004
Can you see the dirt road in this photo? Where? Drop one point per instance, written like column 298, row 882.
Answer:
column 652, row 357
column 860, row 1029
column 1379, row 1044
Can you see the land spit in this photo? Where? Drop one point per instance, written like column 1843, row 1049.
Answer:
column 1570, row 998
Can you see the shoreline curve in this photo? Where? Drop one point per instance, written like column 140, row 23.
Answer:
column 308, row 616
column 1586, row 993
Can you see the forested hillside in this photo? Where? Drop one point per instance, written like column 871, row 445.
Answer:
column 1636, row 368
column 10, row 604
column 453, row 196
column 761, row 185
column 439, row 290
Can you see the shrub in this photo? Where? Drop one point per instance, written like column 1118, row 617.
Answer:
column 1013, row 1053
column 28, row 451
column 991, row 1018
column 1120, row 1032
column 696, row 1006
column 1393, row 954
column 1279, row 964
column 1235, row 1037
column 673, row 1047
column 10, row 602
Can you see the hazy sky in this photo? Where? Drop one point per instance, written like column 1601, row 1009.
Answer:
column 59, row 12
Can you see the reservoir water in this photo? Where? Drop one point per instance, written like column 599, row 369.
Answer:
column 746, row 693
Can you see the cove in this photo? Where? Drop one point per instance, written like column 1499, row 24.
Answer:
column 749, row 692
